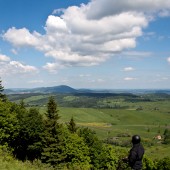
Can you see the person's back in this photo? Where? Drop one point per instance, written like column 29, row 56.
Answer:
column 136, row 154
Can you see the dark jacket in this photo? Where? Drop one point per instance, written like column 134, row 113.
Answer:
column 135, row 156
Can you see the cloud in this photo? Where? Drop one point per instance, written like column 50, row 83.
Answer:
column 8, row 67
column 36, row 81
column 99, row 80
column 168, row 59
column 164, row 13
column 53, row 67
column 20, row 37
column 21, row 68
column 14, row 51
column 165, row 78
column 84, row 75
column 89, row 34
column 4, row 58
column 129, row 78
column 137, row 53
column 128, row 69
column 160, row 78
column 113, row 7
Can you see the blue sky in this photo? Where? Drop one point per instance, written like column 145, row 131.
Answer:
column 104, row 44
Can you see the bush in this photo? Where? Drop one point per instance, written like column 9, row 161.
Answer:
column 148, row 164
column 7, row 162
column 163, row 164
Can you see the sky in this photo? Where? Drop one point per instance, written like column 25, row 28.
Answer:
column 97, row 44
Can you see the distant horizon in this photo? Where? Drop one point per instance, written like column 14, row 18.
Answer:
column 85, row 44
column 79, row 88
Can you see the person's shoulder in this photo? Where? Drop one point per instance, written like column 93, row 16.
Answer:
column 141, row 147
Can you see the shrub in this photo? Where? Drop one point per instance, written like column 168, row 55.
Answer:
column 163, row 164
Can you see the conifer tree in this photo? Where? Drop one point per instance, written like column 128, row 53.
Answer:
column 22, row 104
column 52, row 137
column 2, row 96
column 72, row 126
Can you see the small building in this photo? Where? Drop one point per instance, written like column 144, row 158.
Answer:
column 158, row 137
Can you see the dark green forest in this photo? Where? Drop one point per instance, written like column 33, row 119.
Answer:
column 29, row 136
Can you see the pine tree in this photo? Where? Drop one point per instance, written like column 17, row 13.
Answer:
column 2, row 96
column 52, row 137
column 22, row 104
column 72, row 126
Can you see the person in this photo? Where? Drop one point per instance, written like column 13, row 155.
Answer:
column 136, row 153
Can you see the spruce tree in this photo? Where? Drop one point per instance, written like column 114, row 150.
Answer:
column 2, row 96
column 52, row 137
column 72, row 126
column 22, row 104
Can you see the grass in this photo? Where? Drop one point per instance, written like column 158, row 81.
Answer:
column 111, row 122
column 136, row 121
column 158, row 152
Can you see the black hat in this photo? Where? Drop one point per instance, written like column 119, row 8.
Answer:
column 136, row 139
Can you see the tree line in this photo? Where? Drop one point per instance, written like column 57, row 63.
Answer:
column 30, row 135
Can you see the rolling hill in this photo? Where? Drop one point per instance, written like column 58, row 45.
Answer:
column 54, row 89
column 67, row 89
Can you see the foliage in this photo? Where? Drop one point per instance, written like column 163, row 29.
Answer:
column 102, row 156
column 167, row 136
column 9, row 125
column 148, row 163
column 77, row 152
column 163, row 164
column 52, row 136
column 60, row 147
column 28, row 142
column 72, row 126
column 107, row 158
column 22, row 104
column 7, row 162
column 93, row 143
column 121, row 155
column 2, row 96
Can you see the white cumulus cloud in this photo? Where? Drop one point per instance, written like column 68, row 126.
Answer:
column 20, row 37
column 21, row 68
column 4, row 58
column 88, row 35
column 111, row 7
column 7, row 66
